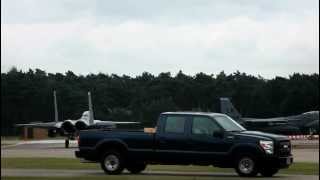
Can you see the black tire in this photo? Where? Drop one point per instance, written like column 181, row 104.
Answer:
column 268, row 172
column 112, row 162
column 136, row 168
column 246, row 165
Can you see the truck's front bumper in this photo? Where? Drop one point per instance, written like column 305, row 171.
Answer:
column 285, row 162
column 280, row 162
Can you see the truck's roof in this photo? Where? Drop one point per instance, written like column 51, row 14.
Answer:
column 193, row 113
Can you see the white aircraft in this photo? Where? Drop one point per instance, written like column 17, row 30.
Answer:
column 70, row 128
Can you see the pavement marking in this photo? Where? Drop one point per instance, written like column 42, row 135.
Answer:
column 51, row 141
column 8, row 146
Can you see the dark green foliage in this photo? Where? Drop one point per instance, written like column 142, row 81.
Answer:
column 27, row 96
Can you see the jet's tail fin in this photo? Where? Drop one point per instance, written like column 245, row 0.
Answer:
column 55, row 107
column 91, row 118
column 226, row 107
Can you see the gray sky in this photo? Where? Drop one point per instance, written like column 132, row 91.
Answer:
column 262, row 37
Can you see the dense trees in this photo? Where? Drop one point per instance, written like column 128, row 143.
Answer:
column 27, row 96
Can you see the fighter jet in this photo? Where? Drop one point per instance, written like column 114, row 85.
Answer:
column 297, row 124
column 70, row 128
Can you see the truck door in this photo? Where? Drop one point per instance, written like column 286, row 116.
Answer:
column 206, row 141
column 171, row 140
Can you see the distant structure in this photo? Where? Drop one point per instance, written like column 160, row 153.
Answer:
column 34, row 133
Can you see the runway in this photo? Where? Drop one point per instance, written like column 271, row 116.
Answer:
column 49, row 148
column 72, row 173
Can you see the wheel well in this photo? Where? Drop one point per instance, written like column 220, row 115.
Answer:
column 113, row 145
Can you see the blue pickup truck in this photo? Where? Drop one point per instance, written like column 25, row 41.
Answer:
column 187, row 138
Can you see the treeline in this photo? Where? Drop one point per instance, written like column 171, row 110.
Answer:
column 28, row 96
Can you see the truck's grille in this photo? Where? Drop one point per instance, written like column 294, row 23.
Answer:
column 284, row 148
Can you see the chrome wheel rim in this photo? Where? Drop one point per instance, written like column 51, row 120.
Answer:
column 111, row 162
column 246, row 165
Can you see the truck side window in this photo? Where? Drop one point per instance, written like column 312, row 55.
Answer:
column 204, row 126
column 175, row 124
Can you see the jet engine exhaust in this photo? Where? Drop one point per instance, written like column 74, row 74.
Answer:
column 68, row 127
column 80, row 125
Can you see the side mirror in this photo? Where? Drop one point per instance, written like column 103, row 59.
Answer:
column 218, row 134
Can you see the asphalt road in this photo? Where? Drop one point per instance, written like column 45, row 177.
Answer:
column 70, row 173
column 55, row 148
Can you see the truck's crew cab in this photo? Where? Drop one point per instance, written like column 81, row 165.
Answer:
column 188, row 138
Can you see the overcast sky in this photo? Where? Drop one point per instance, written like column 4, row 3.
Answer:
column 269, row 38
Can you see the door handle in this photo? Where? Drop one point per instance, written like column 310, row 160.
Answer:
column 230, row 137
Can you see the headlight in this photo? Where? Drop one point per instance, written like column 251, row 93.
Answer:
column 267, row 146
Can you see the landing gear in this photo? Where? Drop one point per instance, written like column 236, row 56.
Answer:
column 67, row 140
column 66, row 143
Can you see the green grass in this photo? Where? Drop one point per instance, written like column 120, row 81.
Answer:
column 302, row 168
column 69, row 163
column 296, row 168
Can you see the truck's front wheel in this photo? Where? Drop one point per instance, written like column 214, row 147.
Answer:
column 246, row 166
column 112, row 162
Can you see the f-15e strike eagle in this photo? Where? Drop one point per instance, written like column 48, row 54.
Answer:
column 296, row 124
column 70, row 128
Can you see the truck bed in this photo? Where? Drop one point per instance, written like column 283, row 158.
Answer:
column 134, row 139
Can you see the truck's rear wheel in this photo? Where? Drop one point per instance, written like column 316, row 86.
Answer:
column 268, row 172
column 246, row 166
column 136, row 168
column 112, row 162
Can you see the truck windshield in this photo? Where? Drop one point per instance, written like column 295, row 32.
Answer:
column 228, row 124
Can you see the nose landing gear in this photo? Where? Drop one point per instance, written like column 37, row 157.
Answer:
column 67, row 140
column 66, row 143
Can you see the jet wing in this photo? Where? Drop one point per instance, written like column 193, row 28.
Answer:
column 114, row 123
column 46, row 125
column 280, row 120
column 119, row 122
column 266, row 122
